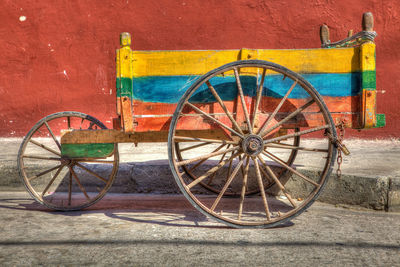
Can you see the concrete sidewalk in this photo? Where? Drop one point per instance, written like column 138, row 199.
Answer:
column 370, row 175
column 165, row 230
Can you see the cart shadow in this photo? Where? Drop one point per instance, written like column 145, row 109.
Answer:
column 185, row 219
column 161, row 217
column 183, row 215
column 23, row 204
column 165, row 218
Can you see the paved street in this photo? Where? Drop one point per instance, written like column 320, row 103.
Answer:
column 164, row 230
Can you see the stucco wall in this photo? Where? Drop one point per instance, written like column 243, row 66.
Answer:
column 61, row 57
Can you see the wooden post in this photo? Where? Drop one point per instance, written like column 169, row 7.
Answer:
column 124, row 83
column 368, row 22
column 324, row 34
column 368, row 85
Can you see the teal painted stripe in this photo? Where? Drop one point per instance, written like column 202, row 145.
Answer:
column 369, row 79
column 169, row 89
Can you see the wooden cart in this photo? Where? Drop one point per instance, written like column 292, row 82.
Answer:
column 234, row 131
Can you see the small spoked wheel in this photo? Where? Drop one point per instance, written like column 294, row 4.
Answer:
column 62, row 182
column 237, row 130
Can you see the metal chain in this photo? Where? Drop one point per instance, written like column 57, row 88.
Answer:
column 339, row 162
column 340, row 127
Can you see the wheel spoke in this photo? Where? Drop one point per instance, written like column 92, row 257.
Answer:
column 201, row 161
column 291, row 115
column 287, row 146
column 213, row 119
column 258, row 99
column 261, row 186
column 226, row 185
column 203, row 140
column 280, row 185
column 78, row 182
column 44, row 172
column 194, row 146
column 184, row 162
column 91, row 172
column 283, row 137
column 213, row 175
column 52, row 180
column 45, row 147
column 244, row 186
column 242, row 168
column 52, row 135
column 40, row 157
column 212, row 171
column 246, row 113
column 229, row 168
column 277, row 109
column 221, row 103
column 80, row 125
column 69, row 122
column 265, row 174
column 70, row 189
column 282, row 163
column 91, row 124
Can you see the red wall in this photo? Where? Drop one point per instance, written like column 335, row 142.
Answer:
column 62, row 56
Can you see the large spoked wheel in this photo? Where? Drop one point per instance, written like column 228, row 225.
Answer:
column 255, row 113
column 57, row 181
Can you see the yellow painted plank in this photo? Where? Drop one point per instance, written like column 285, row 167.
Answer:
column 333, row 60
column 166, row 63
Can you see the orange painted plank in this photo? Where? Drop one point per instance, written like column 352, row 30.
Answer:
column 334, row 104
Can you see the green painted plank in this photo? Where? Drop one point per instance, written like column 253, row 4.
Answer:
column 100, row 150
column 380, row 120
column 124, row 87
column 368, row 79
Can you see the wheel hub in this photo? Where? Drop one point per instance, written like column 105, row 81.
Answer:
column 252, row 145
column 66, row 162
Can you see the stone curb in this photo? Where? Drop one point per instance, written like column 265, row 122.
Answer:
column 379, row 193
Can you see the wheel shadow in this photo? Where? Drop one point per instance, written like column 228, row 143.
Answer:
column 170, row 210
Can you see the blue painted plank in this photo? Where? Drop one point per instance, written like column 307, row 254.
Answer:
column 169, row 89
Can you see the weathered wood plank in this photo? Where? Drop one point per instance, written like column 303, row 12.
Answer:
column 115, row 136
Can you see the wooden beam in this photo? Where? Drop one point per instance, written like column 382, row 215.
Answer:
column 116, row 136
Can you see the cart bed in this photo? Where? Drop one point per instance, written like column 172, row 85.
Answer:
column 156, row 80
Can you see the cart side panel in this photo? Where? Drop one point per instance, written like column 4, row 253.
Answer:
column 160, row 78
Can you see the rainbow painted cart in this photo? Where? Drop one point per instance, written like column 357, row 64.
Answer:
column 233, row 133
